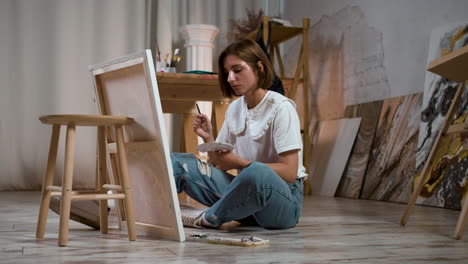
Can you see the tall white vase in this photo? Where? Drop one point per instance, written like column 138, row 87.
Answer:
column 199, row 56
column 199, row 44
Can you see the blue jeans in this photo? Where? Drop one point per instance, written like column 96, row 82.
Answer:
column 256, row 192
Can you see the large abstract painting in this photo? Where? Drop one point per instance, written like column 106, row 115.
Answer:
column 447, row 181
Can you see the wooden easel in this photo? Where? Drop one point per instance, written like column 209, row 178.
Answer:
column 453, row 66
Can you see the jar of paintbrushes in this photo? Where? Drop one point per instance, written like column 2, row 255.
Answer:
column 167, row 63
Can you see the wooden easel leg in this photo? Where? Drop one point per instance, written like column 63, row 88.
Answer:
column 102, row 178
column 48, row 180
column 125, row 183
column 461, row 221
column 219, row 112
column 190, row 138
column 280, row 61
column 67, row 185
column 414, row 196
column 305, row 94
column 428, row 164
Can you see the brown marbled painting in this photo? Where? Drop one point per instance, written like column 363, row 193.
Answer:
column 351, row 182
column 391, row 167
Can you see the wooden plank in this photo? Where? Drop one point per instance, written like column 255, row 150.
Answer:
column 189, row 87
column 117, row 65
column 299, row 70
column 101, row 179
column 280, row 61
column 279, row 33
column 67, row 180
column 47, row 181
column 265, row 30
column 54, row 188
column 461, row 221
column 178, row 107
column 85, row 120
column 98, row 196
column 331, row 149
column 457, row 128
column 112, row 187
column 57, row 192
column 142, row 146
column 133, row 91
column 305, row 98
column 217, row 120
column 452, row 66
column 190, row 138
column 191, row 92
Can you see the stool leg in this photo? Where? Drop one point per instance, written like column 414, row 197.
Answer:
column 102, row 176
column 48, row 180
column 461, row 221
column 125, row 183
column 67, row 185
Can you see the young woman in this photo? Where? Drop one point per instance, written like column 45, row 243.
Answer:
column 264, row 128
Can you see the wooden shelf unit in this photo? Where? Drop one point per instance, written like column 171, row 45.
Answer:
column 180, row 91
column 453, row 66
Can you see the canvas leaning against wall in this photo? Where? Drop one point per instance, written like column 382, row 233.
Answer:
column 346, row 63
column 391, row 166
column 448, row 177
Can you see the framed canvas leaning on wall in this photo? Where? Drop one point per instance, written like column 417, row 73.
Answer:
column 127, row 86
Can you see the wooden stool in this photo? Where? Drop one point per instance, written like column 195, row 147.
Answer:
column 100, row 193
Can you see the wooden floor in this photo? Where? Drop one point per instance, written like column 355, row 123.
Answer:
column 331, row 230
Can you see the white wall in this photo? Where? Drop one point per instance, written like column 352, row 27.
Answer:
column 45, row 49
column 405, row 27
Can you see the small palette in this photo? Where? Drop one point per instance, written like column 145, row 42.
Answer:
column 214, row 146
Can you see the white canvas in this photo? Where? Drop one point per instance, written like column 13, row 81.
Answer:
column 127, row 86
column 330, row 152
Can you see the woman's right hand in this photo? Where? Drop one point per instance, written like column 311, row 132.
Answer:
column 202, row 127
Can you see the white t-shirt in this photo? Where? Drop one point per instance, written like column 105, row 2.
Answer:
column 263, row 132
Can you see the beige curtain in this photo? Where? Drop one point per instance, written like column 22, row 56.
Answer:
column 45, row 49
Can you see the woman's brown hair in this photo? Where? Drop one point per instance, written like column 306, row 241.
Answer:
column 250, row 52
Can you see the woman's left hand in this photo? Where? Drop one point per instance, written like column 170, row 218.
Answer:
column 227, row 160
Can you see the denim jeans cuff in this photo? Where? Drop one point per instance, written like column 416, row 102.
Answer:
column 213, row 219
